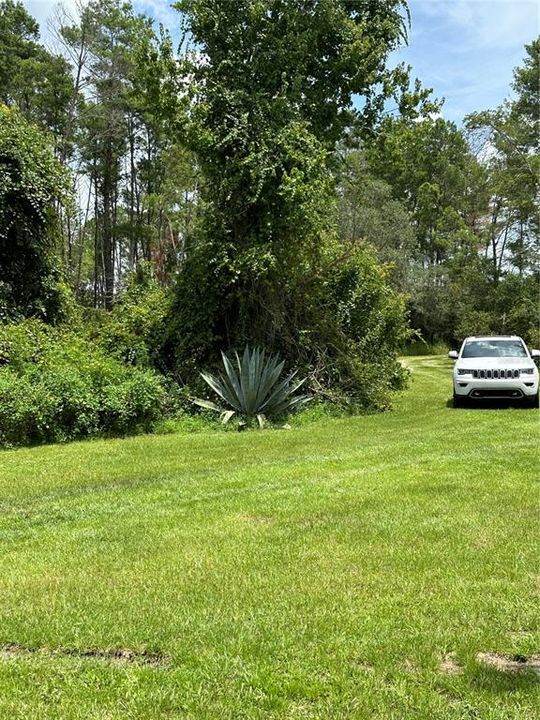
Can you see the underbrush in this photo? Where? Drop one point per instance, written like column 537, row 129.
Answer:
column 131, row 332
column 99, row 374
column 420, row 348
column 185, row 423
column 57, row 386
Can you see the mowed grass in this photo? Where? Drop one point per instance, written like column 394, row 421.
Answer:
column 321, row 572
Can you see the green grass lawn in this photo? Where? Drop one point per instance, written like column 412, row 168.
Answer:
column 320, row 572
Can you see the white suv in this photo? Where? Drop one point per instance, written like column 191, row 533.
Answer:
column 495, row 368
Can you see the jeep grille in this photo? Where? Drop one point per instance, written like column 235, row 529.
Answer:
column 496, row 374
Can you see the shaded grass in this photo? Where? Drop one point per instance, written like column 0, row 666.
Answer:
column 422, row 348
column 321, row 572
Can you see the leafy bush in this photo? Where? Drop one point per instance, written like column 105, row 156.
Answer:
column 24, row 343
column 421, row 347
column 358, row 323
column 32, row 184
column 336, row 318
column 254, row 388
column 131, row 331
column 56, row 386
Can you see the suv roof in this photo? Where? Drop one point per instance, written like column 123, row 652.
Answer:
column 493, row 337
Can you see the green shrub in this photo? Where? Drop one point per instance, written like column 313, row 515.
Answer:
column 24, row 343
column 32, row 186
column 336, row 319
column 57, row 386
column 360, row 324
column 421, row 347
column 132, row 331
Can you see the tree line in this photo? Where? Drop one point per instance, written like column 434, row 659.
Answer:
column 272, row 171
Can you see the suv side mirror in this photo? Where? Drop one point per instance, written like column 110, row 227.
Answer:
column 453, row 355
column 535, row 353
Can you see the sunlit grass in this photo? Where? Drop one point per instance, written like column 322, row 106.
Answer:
column 320, row 572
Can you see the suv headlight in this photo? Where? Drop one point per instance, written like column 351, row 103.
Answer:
column 526, row 371
column 464, row 371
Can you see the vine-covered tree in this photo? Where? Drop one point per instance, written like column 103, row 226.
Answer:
column 273, row 86
column 32, row 184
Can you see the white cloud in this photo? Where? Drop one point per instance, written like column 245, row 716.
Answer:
column 160, row 11
column 486, row 23
column 466, row 49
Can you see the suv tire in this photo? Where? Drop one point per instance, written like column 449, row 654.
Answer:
column 460, row 401
column 533, row 402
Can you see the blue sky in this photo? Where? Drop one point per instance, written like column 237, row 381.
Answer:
column 464, row 49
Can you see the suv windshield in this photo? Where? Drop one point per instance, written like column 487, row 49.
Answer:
column 493, row 349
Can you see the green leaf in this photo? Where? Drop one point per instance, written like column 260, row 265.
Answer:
column 208, row 404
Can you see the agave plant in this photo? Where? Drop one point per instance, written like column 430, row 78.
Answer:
column 252, row 387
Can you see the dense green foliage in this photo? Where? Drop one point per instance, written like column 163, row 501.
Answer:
column 37, row 81
column 368, row 211
column 351, row 569
column 56, row 386
column 344, row 323
column 132, row 331
column 472, row 204
column 270, row 181
column 32, row 183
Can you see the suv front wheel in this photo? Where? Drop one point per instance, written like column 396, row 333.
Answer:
column 460, row 401
column 533, row 402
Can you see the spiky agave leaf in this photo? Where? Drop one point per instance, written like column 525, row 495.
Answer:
column 226, row 415
column 281, row 390
column 250, row 378
column 208, row 404
column 234, row 380
column 271, row 374
column 253, row 388
column 223, row 390
column 290, row 405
